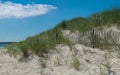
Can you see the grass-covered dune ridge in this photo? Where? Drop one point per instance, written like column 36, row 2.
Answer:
column 47, row 40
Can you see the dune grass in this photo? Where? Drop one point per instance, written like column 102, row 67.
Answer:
column 45, row 41
column 39, row 44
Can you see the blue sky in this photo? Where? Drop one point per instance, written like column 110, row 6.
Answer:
column 17, row 24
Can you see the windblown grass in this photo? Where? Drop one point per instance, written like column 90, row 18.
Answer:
column 43, row 42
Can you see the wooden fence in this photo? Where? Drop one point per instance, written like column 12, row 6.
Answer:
column 100, row 39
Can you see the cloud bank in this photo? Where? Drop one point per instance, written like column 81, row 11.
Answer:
column 16, row 10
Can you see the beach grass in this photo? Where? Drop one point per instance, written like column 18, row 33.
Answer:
column 47, row 40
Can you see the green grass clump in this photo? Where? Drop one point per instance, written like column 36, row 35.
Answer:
column 76, row 63
column 13, row 49
column 18, row 48
column 43, row 42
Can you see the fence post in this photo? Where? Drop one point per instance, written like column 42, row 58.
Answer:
column 93, row 43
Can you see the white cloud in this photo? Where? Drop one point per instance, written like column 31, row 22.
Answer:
column 16, row 10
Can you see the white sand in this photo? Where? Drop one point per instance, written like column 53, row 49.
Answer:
column 60, row 62
column 11, row 66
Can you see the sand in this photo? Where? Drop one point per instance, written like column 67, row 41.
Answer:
column 11, row 66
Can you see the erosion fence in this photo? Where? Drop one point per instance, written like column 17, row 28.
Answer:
column 100, row 39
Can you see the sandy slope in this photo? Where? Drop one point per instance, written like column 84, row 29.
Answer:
column 92, row 61
column 11, row 66
column 60, row 62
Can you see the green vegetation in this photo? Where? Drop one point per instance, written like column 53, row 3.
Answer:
column 39, row 44
column 76, row 63
column 43, row 42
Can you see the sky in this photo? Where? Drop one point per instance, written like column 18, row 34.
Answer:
column 20, row 19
